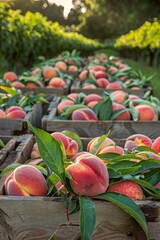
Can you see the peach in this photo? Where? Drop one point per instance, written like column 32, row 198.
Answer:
column 49, row 72
column 112, row 149
column 147, row 155
column 26, row 180
column 83, row 74
column 84, row 114
column 114, row 85
column 89, row 175
column 122, row 66
column 17, row 84
column 100, row 74
column 89, row 86
column 125, row 115
column 102, row 82
column 99, row 68
column 35, row 151
column 92, row 104
column 133, row 97
column 31, row 85
column 62, row 66
column 112, row 70
column 156, row 145
column 57, row 82
column 106, row 142
column 65, row 103
column 92, row 97
column 36, row 70
column 2, row 114
column 73, row 96
column 119, row 96
column 72, row 68
column 73, row 147
column 128, row 188
column 136, row 140
column 157, row 185
column 10, row 76
column 146, row 113
column 15, row 112
column 61, row 137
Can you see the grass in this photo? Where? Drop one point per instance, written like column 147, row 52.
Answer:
column 137, row 65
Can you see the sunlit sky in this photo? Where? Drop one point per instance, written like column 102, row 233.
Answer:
column 66, row 3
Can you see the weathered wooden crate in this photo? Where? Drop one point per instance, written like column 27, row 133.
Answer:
column 17, row 149
column 76, row 88
column 38, row 217
column 13, row 126
column 118, row 129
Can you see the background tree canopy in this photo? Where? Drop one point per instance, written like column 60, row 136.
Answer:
column 100, row 19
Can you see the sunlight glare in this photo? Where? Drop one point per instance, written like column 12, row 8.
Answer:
column 67, row 4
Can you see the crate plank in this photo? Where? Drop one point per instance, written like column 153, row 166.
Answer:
column 37, row 218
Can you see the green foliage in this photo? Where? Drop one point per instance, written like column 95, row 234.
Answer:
column 24, row 38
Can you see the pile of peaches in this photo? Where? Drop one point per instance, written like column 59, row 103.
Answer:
column 102, row 167
column 117, row 105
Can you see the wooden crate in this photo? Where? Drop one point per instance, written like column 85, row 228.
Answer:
column 76, row 88
column 31, row 218
column 17, row 149
column 13, row 126
column 118, row 129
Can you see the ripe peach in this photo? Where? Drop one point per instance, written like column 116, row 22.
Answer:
column 84, row 114
column 61, row 137
column 2, row 114
column 157, row 185
column 99, row 68
column 133, row 97
column 106, row 142
column 92, row 97
column 83, row 75
column 73, row 96
column 156, row 145
column 112, row 70
column 136, row 140
column 128, row 188
column 26, row 180
column 10, row 76
column 89, row 86
column 122, row 66
column 100, row 74
column 73, row 147
column 36, row 70
column 31, row 85
column 102, row 82
column 62, row 66
column 114, row 85
column 35, row 151
column 57, row 82
column 114, row 149
column 125, row 115
column 49, row 72
column 118, row 96
column 147, row 155
column 146, row 113
column 65, row 103
column 72, row 68
column 17, row 84
column 89, row 175
column 92, row 104
column 15, row 112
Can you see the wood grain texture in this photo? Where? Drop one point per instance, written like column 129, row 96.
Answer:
column 37, row 218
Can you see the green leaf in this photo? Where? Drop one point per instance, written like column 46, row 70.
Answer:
column 69, row 110
column 76, row 207
column 153, row 176
column 12, row 91
column 50, row 151
column 103, row 109
column 9, row 168
column 2, row 144
column 127, row 206
column 101, row 139
column 75, row 137
column 87, row 217
column 134, row 112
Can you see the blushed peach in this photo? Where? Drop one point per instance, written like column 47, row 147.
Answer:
column 146, row 113
column 112, row 70
column 89, row 175
column 72, row 68
column 35, row 151
column 119, row 96
column 156, row 145
column 92, row 104
column 10, row 76
column 136, row 140
column 73, row 96
column 89, row 86
column 114, row 85
column 62, row 66
column 73, row 147
column 92, row 97
column 17, row 84
column 145, row 155
column 128, row 188
column 15, row 112
column 85, row 114
column 100, row 74
column 112, row 149
column 49, row 72
column 2, row 114
column 99, row 68
column 83, row 74
column 36, row 70
column 26, row 180
column 61, row 137
column 106, row 142
column 102, row 82
column 57, row 82
column 65, row 103
column 125, row 115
